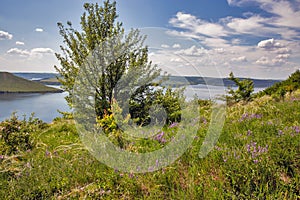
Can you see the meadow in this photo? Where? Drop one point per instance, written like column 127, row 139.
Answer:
column 256, row 157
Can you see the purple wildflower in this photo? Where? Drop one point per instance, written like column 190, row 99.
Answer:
column 255, row 161
column 174, row 124
column 296, row 129
column 249, row 132
column 159, row 137
column 47, row 153
column 130, row 175
column 1, row 157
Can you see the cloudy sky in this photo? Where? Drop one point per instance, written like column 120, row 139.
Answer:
column 252, row 38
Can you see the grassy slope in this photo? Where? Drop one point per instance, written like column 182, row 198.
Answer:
column 11, row 83
column 256, row 157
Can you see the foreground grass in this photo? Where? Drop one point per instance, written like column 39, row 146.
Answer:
column 256, row 157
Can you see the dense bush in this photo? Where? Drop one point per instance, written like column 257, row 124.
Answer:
column 16, row 135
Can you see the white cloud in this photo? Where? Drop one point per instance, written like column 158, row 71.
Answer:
column 39, row 30
column 42, row 50
column 253, row 24
column 5, row 35
column 197, row 26
column 269, row 44
column 30, row 53
column 283, row 51
column 19, row 52
column 229, row 41
column 20, row 43
column 176, row 46
column 239, row 59
column 175, row 60
column 283, row 56
column 165, row 46
column 271, row 62
column 192, row 51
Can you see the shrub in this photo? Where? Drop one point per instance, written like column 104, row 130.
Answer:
column 16, row 135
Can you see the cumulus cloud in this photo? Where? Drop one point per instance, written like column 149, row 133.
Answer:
column 229, row 39
column 269, row 44
column 283, row 56
column 239, row 59
column 175, row 60
column 176, row 46
column 42, row 50
column 197, row 26
column 39, row 30
column 20, row 43
column 271, row 62
column 283, row 51
column 165, row 46
column 29, row 53
column 5, row 35
column 19, row 52
column 192, row 51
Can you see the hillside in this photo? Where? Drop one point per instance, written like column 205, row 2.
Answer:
column 255, row 157
column 10, row 83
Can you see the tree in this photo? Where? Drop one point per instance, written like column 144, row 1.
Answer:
column 244, row 91
column 100, row 28
column 112, row 64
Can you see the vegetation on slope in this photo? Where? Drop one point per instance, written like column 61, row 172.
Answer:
column 281, row 88
column 12, row 83
column 256, row 157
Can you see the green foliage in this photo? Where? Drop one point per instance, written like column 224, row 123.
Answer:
column 16, row 135
column 244, row 91
column 100, row 28
column 164, row 104
column 256, row 157
column 278, row 90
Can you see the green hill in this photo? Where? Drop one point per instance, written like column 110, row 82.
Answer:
column 10, row 83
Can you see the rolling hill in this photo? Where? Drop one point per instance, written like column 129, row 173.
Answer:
column 10, row 83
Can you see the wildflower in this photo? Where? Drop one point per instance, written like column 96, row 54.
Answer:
column 280, row 132
column 255, row 161
column 1, row 157
column 47, row 153
column 218, row 148
column 160, row 138
column 130, row 175
column 138, row 168
column 249, row 132
column 296, row 129
column 28, row 165
column 174, row 124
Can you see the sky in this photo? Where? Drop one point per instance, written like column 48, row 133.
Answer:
column 251, row 38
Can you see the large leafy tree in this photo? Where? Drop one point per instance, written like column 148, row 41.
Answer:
column 99, row 26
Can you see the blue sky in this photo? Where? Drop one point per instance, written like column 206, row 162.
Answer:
column 252, row 38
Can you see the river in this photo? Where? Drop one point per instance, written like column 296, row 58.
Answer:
column 46, row 106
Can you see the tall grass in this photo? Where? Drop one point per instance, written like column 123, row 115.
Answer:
column 256, row 157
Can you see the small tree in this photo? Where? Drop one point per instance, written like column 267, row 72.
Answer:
column 99, row 25
column 244, row 91
column 109, row 62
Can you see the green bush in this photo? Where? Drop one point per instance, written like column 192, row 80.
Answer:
column 16, row 135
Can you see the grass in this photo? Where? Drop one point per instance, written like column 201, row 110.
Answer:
column 256, row 157
column 11, row 83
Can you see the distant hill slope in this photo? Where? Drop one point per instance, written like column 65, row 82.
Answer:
column 12, row 83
